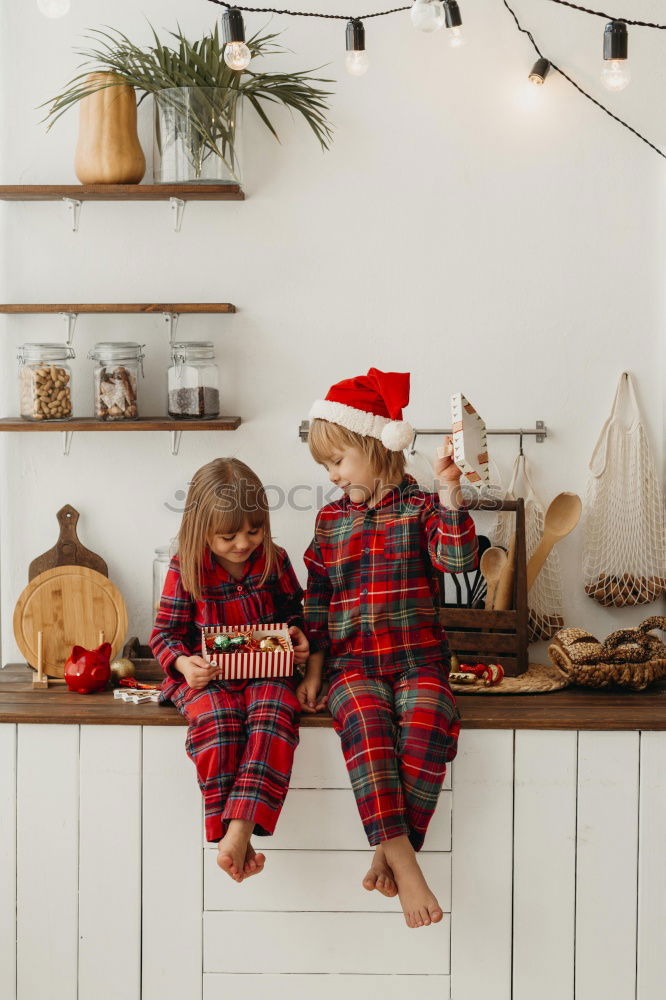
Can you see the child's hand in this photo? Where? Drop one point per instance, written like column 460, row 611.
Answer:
column 300, row 644
column 445, row 468
column 309, row 695
column 196, row 671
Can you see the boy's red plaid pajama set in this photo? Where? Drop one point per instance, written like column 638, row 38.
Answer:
column 241, row 734
column 371, row 602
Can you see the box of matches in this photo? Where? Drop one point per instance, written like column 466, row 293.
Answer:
column 247, row 652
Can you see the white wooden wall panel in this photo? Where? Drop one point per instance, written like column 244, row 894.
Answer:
column 607, row 845
column 218, row 986
column 544, row 839
column 482, row 866
column 47, row 862
column 7, row 860
column 172, row 868
column 323, row 942
column 652, row 868
column 327, row 819
column 110, row 863
column 309, row 880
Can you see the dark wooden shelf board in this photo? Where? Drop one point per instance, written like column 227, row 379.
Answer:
column 121, row 192
column 142, row 424
column 118, row 307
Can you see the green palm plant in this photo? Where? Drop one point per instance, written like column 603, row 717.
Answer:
column 156, row 68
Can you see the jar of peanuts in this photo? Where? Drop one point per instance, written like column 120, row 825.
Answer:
column 45, row 381
column 116, row 377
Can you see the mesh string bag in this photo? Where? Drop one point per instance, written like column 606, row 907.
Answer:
column 624, row 551
column 545, row 596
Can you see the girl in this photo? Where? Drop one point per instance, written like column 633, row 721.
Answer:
column 371, row 604
column 242, row 734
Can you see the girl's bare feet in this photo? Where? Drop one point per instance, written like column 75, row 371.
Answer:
column 232, row 850
column 380, row 876
column 419, row 903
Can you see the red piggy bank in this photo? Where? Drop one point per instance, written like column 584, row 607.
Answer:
column 88, row 670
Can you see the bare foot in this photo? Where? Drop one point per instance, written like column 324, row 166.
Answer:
column 232, row 849
column 380, row 876
column 419, row 903
column 254, row 863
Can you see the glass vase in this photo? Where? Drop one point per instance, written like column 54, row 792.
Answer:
column 197, row 136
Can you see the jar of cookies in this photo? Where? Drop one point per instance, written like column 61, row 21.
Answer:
column 116, row 377
column 45, row 381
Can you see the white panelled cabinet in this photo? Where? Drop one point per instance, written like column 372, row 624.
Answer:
column 547, row 853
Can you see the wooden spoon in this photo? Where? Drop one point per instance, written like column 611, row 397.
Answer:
column 561, row 518
column 504, row 593
column 492, row 563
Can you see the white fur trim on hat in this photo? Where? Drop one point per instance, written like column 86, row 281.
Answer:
column 394, row 434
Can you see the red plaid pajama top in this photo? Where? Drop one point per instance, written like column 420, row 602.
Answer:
column 225, row 601
column 372, row 596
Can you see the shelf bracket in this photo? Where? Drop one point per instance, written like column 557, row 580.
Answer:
column 74, row 208
column 540, row 431
column 172, row 320
column 66, row 441
column 175, row 441
column 177, row 209
column 70, row 320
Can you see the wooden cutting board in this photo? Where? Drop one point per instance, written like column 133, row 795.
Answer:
column 68, row 550
column 69, row 604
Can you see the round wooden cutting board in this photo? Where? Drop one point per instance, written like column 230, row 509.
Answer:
column 69, row 604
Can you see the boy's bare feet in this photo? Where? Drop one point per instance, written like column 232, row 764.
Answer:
column 419, row 903
column 234, row 852
column 380, row 876
column 254, row 863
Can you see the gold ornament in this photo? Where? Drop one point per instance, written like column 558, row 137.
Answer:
column 121, row 668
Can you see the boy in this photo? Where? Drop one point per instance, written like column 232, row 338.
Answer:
column 371, row 612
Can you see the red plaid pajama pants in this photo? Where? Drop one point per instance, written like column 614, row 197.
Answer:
column 397, row 734
column 242, row 742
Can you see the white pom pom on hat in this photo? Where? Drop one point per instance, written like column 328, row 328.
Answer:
column 370, row 405
column 397, row 435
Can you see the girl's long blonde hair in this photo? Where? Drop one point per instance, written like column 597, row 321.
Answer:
column 223, row 495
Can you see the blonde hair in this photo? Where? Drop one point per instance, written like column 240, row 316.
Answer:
column 223, row 495
column 324, row 437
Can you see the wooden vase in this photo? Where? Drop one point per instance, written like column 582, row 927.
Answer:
column 108, row 149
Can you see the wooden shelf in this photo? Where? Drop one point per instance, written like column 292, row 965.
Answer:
column 142, row 424
column 121, row 192
column 119, row 307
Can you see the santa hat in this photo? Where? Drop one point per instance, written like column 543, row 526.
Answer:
column 370, row 405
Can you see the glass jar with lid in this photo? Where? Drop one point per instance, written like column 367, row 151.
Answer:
column 160, row 569
column 192, row 380
column 116, row 378
column 45, row 381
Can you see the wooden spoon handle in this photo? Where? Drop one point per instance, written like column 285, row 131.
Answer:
column 504, row 592
column 539, row 556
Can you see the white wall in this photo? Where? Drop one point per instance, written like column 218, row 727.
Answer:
column 513, row 254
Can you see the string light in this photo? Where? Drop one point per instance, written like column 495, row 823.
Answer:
column 427, row 15
column 615, row 74
column 356, row 60
column 539, row 72
column 453, row 24
column 237, row 56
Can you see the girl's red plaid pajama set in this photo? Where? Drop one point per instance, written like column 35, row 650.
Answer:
column 371, row 602
column 242, row 734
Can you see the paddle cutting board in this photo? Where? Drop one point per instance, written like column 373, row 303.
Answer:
column 69, row 604
column 68, row 550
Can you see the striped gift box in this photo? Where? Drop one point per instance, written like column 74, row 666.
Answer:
column 244, row 666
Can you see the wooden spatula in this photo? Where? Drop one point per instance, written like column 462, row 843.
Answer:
column 561, row 518
column 68, row 550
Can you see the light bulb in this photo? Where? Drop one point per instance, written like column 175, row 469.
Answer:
column 615, row 74
column 427, row 15
column 357, row 62
column 237, row 55
column 456, row 38
column 54, row 8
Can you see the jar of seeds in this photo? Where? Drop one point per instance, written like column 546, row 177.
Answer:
column 45, row 381
column 192, row 381
column 116, row 376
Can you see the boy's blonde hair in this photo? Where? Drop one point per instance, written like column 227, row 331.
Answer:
column 223, row 495
column 324, row 437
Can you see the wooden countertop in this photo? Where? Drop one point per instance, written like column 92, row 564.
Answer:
column 573, row 708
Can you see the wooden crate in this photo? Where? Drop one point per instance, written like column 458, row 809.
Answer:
column 479, row 636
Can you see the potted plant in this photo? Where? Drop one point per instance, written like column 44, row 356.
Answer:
column 198, row 99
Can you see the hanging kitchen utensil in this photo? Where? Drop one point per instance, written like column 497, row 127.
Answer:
column 561, row 518
column 545, row 597
column 68, row 550
column 70, row 605
column 470, row 445
column 624, row 545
